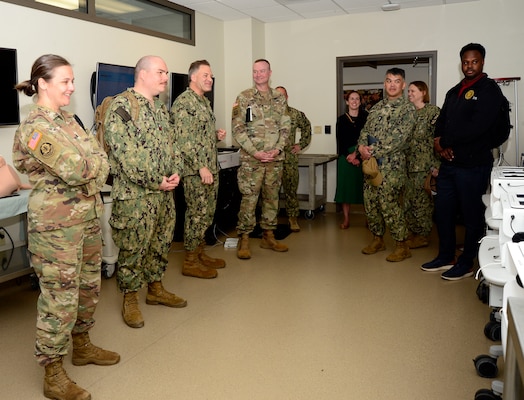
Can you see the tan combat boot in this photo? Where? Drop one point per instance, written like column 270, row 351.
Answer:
column 269, row 242
column 58, row 386
column 156, row 294
column 84, row 352
column 376, row 245
column 131, row 312
column 417, row 241
column 243, row 251
column 293, row 224
column 193, row 267
column 208, row 261
column 401, row 252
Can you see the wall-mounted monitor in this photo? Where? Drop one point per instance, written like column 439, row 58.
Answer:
column 111, row 79
column 9, row 106
column 179, row 83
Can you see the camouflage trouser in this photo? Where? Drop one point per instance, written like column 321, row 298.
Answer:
column 418, row 205
column 290, row 184
column 201, row 201
column 254, row 179
column 384, row 208
column 67, row 262
column 143, row 231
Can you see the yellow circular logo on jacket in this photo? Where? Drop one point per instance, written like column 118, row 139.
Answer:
column 469, row 94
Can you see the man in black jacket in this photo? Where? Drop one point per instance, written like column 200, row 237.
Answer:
column 465, row 134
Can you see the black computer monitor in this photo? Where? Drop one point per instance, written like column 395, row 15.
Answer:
column 9, row 106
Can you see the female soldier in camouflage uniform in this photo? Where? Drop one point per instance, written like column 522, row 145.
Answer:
column 67, row 169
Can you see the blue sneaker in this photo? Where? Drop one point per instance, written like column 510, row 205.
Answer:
column 437, row 264
column 459, row 271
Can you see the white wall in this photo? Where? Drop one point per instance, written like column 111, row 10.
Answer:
column 302, row 53
column 34, row 33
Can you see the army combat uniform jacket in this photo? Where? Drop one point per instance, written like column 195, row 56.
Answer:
column 260, row 122
column 66, row 167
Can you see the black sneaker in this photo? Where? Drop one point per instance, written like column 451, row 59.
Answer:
column 437, row 265
column 459, row 271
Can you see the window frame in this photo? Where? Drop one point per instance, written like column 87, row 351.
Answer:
column 91, row 16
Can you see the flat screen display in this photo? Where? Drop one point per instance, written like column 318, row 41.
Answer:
column 179, row 83
column 9, row 106
column 112, row 79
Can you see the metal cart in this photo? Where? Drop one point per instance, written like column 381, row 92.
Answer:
column 313, row 201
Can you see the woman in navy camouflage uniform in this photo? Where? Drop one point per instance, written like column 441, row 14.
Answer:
column 421, row 160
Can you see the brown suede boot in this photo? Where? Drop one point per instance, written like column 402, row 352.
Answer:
column 401, row 252
column 208, row 261
column 243, row 251
column 418, row 241
column 131, row 312
column 269, row 242
column 376, row 245
column 156, row 294
column 58, row 386
column 193, row 267
column 293, row 224
column 84, row 352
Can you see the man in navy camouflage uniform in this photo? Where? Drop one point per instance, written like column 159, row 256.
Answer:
column 146, row 167
column 290, row 175
column 261, row 127
column 386, row 136
column 197, row 137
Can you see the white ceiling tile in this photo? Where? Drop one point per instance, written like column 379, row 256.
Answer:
column 288, row 10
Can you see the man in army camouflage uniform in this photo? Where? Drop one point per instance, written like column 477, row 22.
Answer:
column 145, row 166
column 261, row 127
column 290, row 175
column 386, row 136
column 197, row 137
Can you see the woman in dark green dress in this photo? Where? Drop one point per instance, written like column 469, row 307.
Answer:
column 349, row 172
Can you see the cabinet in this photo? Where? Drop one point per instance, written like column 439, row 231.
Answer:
column 14, row 261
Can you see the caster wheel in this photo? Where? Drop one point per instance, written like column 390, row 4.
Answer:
column 33, row 281
column 494, row 316
column 486, row 394
column 322, row 208
column 486, row 366
column 483, row 291
column 309, row 214
column 492, row 331
column 108, row 270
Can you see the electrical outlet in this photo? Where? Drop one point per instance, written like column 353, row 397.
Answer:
column 317, row 129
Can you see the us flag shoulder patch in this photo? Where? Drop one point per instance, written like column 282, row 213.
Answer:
column 34, row 140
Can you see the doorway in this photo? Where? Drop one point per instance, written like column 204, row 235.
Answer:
column 366, row 73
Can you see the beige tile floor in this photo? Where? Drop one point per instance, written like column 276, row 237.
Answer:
column 322, row 321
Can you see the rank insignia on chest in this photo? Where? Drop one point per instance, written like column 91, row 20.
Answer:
column 236, row 110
